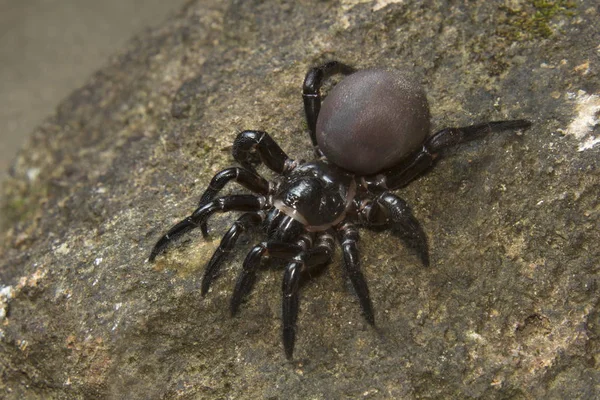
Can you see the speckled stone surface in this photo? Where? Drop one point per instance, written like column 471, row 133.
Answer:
column 508, row 309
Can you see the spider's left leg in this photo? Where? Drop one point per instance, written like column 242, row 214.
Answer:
column 348, row 237
column 228, row 241
column 241, row 202
column 417, row 163
column 252, row 147
column 391, row 211
column 244, row 177
column 247, row 276
column 319, row 255
column 281, row 232
column 311, row 92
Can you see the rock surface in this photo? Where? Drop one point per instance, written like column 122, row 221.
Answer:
column 508, row 309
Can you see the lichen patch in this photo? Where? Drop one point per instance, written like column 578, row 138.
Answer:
column 587, row 107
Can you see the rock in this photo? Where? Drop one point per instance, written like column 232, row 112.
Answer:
column 508, row 309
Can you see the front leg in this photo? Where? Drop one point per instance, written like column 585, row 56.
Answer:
column 244, row 177
column 252, row 147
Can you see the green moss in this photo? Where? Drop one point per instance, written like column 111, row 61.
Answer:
column 15, row 209
column 20, row 202
column 533, row 18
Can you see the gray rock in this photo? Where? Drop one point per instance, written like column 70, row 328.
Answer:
column 508, row 309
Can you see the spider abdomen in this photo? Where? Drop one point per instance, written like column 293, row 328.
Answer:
column 317, row 194
column 371, row 120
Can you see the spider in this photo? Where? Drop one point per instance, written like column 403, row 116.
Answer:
column 370, row 137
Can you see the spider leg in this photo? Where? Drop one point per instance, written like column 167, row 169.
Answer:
column 281, row 232
column 417, row 163
column 241, row 202
column 348, row 237
column 289, row 305
column 311, row 92
column 244, row 177
column 251, row 147
column 452, row 136
column 251, row 264
column 389, row 210
column 228, row 241
column 318, row 255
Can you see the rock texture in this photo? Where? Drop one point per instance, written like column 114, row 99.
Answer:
column 508, row 309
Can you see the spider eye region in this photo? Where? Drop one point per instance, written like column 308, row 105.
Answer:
column 372, row 119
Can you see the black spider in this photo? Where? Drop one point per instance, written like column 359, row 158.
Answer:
column 370, row 137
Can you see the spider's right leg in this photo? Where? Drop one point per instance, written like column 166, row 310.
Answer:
column 452, row 136
column 390, row 211
column 229, row 240
column 240, row 202
column 420, row 161
column 311, row 92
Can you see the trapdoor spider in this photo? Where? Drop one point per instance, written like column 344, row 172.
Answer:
column 370, row 137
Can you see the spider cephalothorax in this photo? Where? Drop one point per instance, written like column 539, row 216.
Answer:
column 370, row 138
